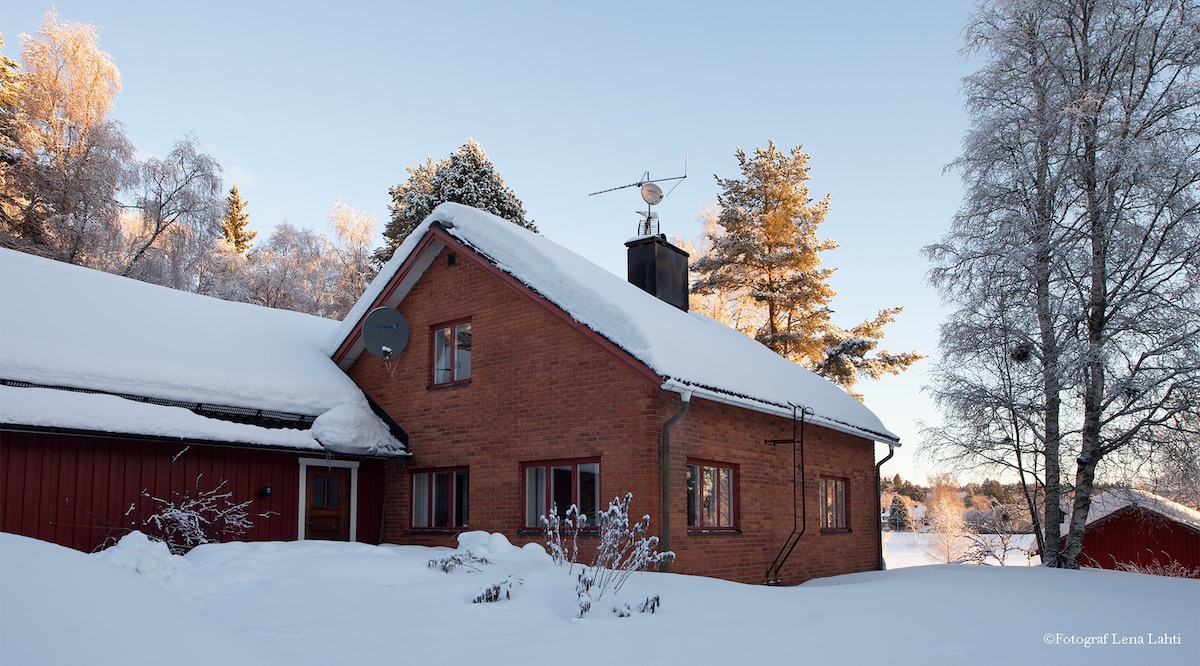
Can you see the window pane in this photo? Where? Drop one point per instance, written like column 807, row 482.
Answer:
column 441, row 356
column 562, row 488
column 589, row 491
column 708, row 492
column 693, row 500
column 840, row 510
column 441, row 499
column 535, row 496
column 824, row 503
column 461, row 498
column 420, row 513
column 725, row 498
column 462, row 351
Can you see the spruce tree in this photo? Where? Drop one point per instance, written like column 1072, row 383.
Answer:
column 898, row 515
column 467, row 177
column 766, row 246
column 234, row 223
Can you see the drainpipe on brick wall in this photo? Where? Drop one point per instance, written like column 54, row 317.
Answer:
column 879, row 504
column 665, row 540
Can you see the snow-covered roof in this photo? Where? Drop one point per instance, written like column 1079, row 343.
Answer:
column 1110, row 501
column 689, row 351
column 64, row 326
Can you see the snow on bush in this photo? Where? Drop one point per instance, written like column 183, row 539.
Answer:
column 206, row 517
column 622, row 551
column 456, row 561
column 497, row 591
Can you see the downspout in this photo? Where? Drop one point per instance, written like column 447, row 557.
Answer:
column 879, row 505
column 665, row 540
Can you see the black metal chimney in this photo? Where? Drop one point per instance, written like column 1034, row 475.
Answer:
column 659, row 269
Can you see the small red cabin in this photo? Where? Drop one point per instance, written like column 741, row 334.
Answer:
column 1135, row 530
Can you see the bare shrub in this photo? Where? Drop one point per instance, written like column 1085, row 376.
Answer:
column 622, row 551
column 456, row 561
column 497, row 591
column 190, row 520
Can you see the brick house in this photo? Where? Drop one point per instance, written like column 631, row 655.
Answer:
column 114, row 392
column 533, row 378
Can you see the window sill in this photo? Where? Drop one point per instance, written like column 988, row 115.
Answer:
column 416, row 531
column 835, row 530
column 588, row 533
column 448, row 385
column 707, row 532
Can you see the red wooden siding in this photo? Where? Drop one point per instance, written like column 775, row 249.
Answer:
column 1136, row 536
column 85, row 492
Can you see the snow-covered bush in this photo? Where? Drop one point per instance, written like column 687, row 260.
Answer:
column 497, row 591
column 190, row 520
column 622, row 550
column 553, row 527
column 455, row 561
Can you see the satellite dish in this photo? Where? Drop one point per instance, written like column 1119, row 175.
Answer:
column 651, row 193
column 385, row 333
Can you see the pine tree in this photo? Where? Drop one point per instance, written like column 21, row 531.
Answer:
column 235, row 222
column 898, row 515
column 467, row 177
column 767, row 246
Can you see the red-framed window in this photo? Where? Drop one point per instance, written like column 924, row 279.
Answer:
column 560, row 483
column 441, row 498
column 711, row 495
column 833, row 503
column 451, row 350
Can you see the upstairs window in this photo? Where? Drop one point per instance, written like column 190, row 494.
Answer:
column 451, row 353
column 833, row 504
column 441, row 499
column 710, row 495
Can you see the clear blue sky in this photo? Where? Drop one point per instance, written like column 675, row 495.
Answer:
column 305, row 104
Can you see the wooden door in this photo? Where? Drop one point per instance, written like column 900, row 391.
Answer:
column 327, row 505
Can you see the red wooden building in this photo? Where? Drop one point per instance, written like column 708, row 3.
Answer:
column 114, row 393
column 1135, row 529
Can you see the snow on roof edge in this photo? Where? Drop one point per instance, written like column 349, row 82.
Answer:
column 634, row 322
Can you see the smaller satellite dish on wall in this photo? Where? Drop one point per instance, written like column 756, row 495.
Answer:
column 385, row 333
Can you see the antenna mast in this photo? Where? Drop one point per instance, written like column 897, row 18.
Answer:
column 652, row 194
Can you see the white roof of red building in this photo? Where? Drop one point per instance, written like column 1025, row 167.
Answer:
column 115, row 341
column 689, row 351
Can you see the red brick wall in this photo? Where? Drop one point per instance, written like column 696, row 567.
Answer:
column 541, row 389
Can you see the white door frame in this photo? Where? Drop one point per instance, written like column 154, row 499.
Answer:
column 352, row 465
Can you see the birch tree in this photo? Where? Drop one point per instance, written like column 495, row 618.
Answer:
column 1077, row 236
column 64, row 154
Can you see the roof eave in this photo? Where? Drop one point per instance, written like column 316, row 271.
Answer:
column 788, row 411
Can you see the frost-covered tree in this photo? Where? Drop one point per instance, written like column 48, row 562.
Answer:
column 236, row 222
column 1072, row 263
column 302, row 270
column 352, row 269
column 63, row 155
column 766, row 247
column 467, row 177
column 898, row 514
column 178, row 208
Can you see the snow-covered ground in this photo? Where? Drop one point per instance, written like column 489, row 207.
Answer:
column 320, row 602
column 907, row 549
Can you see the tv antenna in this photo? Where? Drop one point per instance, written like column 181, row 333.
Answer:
column 652, row 194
